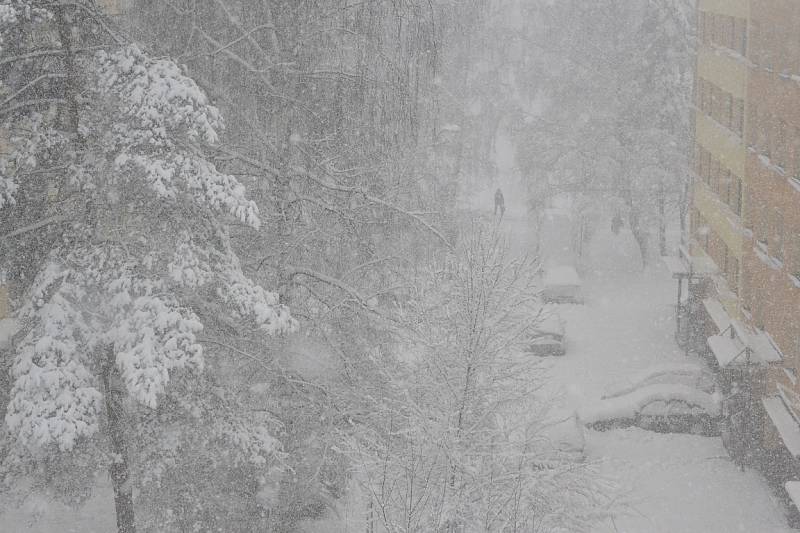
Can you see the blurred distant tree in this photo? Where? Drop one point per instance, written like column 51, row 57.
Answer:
column 616, row 78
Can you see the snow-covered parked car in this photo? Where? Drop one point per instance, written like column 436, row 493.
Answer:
column 547, row 337
column 562, row 284
column 564, row 431
column 666, row 408
column 689, row 374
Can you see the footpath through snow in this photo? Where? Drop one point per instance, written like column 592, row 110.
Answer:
column 670, row 482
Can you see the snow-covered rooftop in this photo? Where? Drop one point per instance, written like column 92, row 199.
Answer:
column 764, row 346
column 726, row 350
column 784, row 422
column 793, row 490
column 703, row 265
column 717, row 313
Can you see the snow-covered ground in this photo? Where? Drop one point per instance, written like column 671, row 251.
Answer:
column 668, row 482
column 41, row 514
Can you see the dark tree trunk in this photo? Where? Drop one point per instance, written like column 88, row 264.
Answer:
column 119, row 471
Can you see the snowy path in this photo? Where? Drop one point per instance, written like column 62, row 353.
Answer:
column 671, row 483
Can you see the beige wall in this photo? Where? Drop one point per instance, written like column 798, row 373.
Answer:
column 113, row 7
column 723, row 71
column 732, row 8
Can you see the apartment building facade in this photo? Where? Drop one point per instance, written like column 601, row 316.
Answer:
column 772, row 261
column 744, row 236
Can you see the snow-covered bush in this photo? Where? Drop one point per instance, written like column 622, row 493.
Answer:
column 458, row 441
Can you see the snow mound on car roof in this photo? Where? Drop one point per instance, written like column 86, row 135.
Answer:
column 659, row 399
column 561, row 275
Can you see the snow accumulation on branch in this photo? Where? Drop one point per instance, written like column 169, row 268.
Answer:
column 162, row 116
column 111, row 298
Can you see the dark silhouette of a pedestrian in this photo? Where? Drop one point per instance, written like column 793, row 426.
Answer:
column 499, row 203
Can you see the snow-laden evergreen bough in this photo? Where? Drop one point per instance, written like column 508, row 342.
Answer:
column 111, row 325
column 121, row 291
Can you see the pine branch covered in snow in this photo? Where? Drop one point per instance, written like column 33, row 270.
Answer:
column 120, row 154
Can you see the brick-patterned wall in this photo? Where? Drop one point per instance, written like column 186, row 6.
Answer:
column 773, row 160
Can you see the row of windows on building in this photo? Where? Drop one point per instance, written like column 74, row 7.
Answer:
column 774, row 138
column 723, row 30
column 721, row 105
column 716, row 249
column 771, row 238
column 767, row 134
column 775, row 48
column 768, row 225
column 724, row 183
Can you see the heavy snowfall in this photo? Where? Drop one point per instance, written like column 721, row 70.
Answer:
column 394, row 266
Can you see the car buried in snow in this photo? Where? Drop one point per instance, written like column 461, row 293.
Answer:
column 660, row 407
column 565, row 433
column 562, row 285
column 690, row 374
column 547, row 337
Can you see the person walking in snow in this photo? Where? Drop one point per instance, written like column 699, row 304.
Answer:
column 499, row 203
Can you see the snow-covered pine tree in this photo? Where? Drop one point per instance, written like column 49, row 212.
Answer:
column 118, row 139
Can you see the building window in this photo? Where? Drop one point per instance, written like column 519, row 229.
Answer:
column 763, row 228
column 738, row 116
column 732, row 272
column 731, row 33
column 713, row 174
column 728, row 100
column 725, row 186
column 752, row 126
column 736, row 195
column 797, row 154
column 796, row 258
column 742, row 38
column 703, row 164
column 701, row 26
column 701, row 94
column 796, row 55
column 714, row 103
column 776, row 239
column 755, row 30
column 781, row 148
